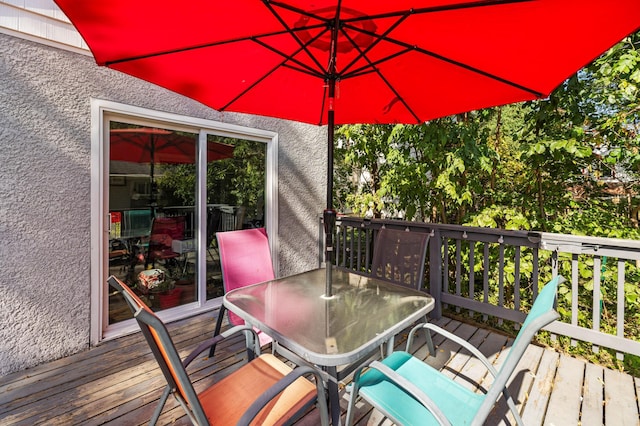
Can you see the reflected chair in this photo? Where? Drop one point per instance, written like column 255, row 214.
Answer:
column 163, row 231
column 214, row 216
column 136, row 222
column 263, row 391
column 245, row 259
column 399, row 257
column 118, row 253
column 410, row 392
column 232, row 218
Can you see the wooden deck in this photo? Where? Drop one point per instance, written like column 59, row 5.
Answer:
column 119, row 383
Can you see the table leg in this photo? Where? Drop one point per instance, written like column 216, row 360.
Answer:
column 334, row 397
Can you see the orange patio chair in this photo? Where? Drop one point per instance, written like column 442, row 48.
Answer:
column 265, row 391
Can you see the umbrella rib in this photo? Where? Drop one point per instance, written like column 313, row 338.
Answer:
column 434, row 9
column 293, row 34
column 305, row 69
column 375, row 69
column 367, row 69
column 323, row 103
column 195, row 47
column 378, row 39
column 290, row 58
column 451, row 61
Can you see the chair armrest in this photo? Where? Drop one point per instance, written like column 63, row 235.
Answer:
column 456, row 339
column 281, row 385
column 217, row 339
column 412, row 389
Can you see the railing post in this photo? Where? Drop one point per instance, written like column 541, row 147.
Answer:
column 435, row 272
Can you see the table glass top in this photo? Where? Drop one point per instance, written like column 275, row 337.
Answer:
column 294, row 309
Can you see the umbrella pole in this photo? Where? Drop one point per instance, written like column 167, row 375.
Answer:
column 329, row 214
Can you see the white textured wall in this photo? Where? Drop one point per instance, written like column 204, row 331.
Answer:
column 45, row 192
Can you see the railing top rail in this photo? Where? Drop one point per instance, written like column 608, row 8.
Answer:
column 580, row 244
column 451, row 230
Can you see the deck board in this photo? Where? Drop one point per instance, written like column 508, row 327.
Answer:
column 564, row 407
column 537, row 401
column 119, row 383
column 518, row 386
column 593, row 395
column 620, row 400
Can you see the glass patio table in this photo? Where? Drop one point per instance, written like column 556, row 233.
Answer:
column 340, row 331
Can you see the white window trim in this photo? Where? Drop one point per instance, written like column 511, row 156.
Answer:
column 99, row 202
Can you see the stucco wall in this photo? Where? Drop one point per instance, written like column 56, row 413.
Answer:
column 45, row 181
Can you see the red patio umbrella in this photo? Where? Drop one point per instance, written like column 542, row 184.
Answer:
column 352, row 61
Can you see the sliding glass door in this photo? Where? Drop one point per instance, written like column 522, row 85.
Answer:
column 164, row 205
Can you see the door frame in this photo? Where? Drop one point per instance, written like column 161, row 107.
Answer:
column 102, row 112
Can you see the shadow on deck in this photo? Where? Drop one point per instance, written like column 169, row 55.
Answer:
column 119, row 383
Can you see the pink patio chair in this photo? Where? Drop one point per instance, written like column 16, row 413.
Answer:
column 245, row 259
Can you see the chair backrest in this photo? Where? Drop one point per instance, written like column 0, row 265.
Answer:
column 541, row 314
column 163, row 349
column 399, row 257
column 136, row 222
column 163, row 231
column 213, row 224
column 245, row 259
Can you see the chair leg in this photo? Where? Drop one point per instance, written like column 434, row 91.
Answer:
column 512, row 406
column 427, row 336
column 217, row 329
column 161, row 402
column 353, row 396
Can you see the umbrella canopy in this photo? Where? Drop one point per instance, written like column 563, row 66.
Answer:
column 395, row 62
column 352, row 61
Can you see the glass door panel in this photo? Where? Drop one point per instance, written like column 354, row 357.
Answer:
column 152, row 186
column 235, row 198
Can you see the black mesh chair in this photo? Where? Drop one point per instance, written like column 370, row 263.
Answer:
column 399, row 257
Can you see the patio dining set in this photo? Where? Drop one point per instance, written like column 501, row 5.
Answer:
column 332, row 63
column 328, row 339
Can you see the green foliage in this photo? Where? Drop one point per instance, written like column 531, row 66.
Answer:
column 236, row 181
column 566, row 164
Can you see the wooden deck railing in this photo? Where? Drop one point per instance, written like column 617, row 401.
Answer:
column 497, row 273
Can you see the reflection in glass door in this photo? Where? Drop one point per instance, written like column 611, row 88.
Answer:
column 151, row 229
column 153, row 224
column 235, row 199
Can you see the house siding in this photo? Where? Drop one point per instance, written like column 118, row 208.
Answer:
column 45, row 199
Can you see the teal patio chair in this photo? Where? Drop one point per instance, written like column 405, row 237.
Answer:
column 410, row 392
column 264, row 391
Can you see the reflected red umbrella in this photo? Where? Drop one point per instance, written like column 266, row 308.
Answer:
column 352, row 61
column 151, row 145
column 159, row 146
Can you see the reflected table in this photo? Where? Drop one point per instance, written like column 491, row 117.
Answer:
column 340, row 331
